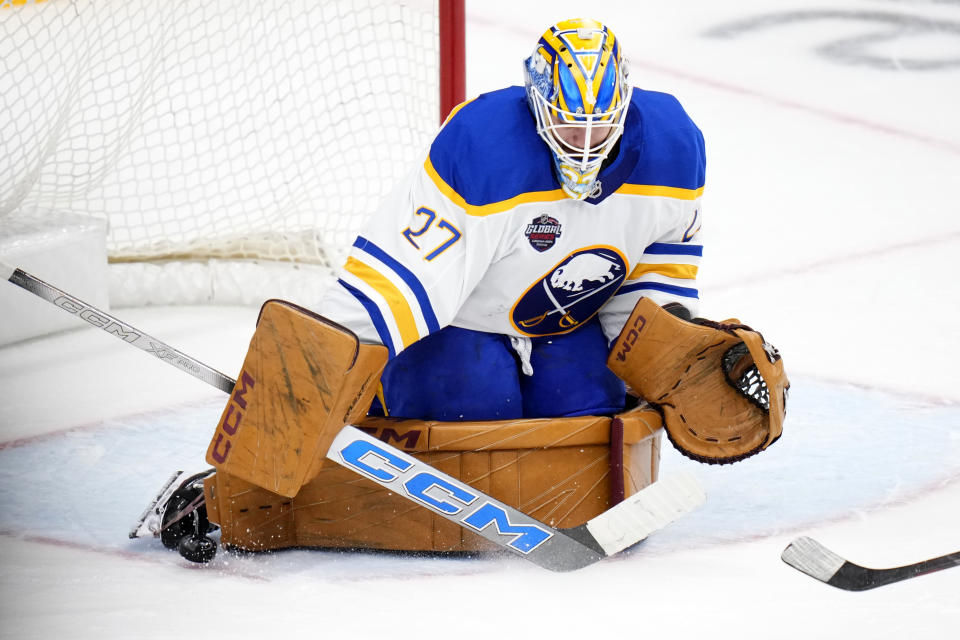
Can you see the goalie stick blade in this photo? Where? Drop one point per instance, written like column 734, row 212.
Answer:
column 505, row 526
column 812, row 558
column 646, row 511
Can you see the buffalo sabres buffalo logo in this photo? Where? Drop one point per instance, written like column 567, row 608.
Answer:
column 570, row 293
column 542, row 232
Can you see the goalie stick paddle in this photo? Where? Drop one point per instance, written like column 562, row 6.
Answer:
column 812, row 558
column 557, row 549
column 612, row 531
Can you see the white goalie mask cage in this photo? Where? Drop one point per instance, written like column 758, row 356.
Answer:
column 577, row 89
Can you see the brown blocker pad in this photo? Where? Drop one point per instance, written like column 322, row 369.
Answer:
column 562, row 471
column 303, row 378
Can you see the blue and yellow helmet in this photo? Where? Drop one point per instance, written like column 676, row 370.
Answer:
column 576, row 82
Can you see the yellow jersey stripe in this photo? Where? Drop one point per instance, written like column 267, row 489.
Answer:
column 679, row 271
column 553, row 195
column 658, row 190
column 494, row 207
column 399, row 307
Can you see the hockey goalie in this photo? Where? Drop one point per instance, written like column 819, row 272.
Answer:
column 521, row 314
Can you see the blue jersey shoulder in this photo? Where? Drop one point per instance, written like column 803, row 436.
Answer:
column 489, row 150
column 662, row 144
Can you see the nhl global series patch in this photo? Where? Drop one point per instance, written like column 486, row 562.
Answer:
column 543, row 232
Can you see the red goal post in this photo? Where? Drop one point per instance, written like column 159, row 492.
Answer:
column 214, row 132
column 453, row 61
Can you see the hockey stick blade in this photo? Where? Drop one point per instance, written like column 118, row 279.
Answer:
column 102, row 320
column 812, row 558
column 556, row 549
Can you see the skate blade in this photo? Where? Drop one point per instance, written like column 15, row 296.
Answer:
column 148, row 524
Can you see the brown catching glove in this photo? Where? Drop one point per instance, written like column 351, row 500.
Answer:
column 721, row 388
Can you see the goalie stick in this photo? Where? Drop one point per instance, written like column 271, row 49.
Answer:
column 812, row 558
column 556, row 549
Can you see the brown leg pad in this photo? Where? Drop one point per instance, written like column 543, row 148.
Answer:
column 303, row 378
column 561, row 471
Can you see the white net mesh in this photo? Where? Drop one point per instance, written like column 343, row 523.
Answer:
column 233, row 129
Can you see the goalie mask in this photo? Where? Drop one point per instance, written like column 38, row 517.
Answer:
column 577, row 89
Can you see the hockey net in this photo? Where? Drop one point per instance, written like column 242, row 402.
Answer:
column 214, row 136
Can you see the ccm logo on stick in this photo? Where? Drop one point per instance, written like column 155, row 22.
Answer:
column 91, row 316
column 230, row 422
column 440, row 494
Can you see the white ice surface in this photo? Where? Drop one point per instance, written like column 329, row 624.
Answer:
column 831, row 226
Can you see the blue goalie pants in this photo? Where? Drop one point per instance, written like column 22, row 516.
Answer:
column 462, row 375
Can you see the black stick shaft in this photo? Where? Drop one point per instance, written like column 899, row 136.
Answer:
column 856, row 578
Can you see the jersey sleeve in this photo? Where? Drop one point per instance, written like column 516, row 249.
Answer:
column 665, row 273
column 412, row 267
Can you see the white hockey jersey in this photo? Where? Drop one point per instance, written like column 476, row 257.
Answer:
column 482, row 237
